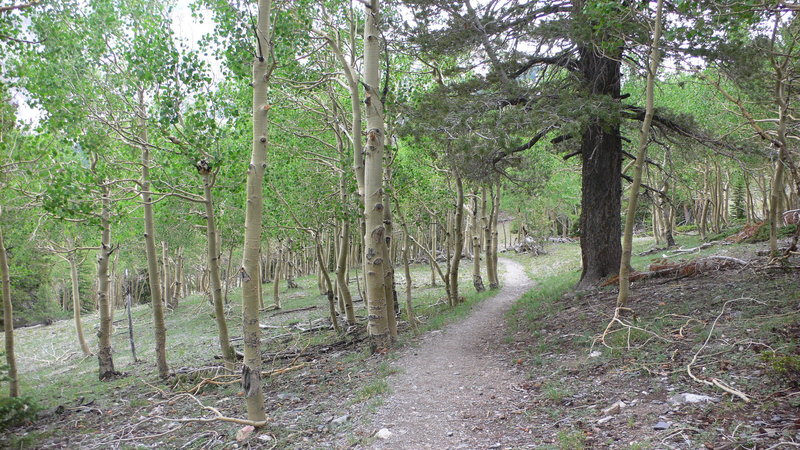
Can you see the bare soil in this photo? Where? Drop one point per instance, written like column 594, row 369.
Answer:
column 457, row 388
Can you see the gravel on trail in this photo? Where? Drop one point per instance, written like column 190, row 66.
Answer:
column 456, row 388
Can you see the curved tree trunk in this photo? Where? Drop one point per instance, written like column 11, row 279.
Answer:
column 76, row 303
column 644, row 140
column 157, row 302
column 212, row 258
column 8, row 321
column 328, row 286
column 341, row 273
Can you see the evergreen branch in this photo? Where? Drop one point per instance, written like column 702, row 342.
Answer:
column 524, row 146
column 564, row 60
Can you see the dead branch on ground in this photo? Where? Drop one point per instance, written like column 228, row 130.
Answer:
column 683, row 269
column 716, row 381
column 218, row 416
column 289, row 311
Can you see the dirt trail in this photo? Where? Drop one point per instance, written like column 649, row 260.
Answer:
column 456, row 390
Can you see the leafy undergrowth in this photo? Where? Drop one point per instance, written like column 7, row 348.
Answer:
column 321, row 382
column 574, row 373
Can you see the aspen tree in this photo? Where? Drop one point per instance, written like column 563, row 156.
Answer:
column 212, row 258
column 250, row 276
column 104, row 352
column 157, row 302
column 644, row 138
column 375, row 233
column 8, row 319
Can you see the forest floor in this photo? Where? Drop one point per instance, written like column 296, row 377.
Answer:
column 504, row 373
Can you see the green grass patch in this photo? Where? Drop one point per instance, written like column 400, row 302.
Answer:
column 555, row 392
column 540, row 301
column 372, row 389
column 571, row 440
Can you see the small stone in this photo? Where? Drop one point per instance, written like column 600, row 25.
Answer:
column 383, row 433
column 605, row 419
column 614, row 408
column 340, row 420
column 595, row 354
column 496, row 445
column 264, row 438
column 244, row 433
column 661, row 426
column 691, row 398
column 449, row 433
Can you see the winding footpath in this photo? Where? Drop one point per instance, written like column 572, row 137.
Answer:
column 456, row 390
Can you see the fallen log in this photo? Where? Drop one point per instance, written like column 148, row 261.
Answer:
column 684, row 269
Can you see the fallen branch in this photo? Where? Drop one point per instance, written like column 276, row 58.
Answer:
column 270, row 373
column 684, row 251
column 289, row 311
column 625, row 326
column 683, row 269
column 716, row 381
column 218, row 416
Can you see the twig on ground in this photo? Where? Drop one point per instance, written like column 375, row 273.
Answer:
column 218, row 416
column 289, row 311
column 716, row 381
column 106, row 444
column 625, row 326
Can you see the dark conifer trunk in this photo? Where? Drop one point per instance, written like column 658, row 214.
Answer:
column 601, row 151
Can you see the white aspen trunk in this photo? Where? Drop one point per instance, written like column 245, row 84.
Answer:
column 375, row 232
column 410, row 316
column 104, row 351
column 495, row 281
column 166, row 273
column 157, row 302
column 458, row 243
column 76, row 303
column 644, row 137
column 251, row 332
column 8, row 321
column 276, row 282
column 212, row 259
column 434, row 252
column 329, row 287
column 341, row 273
column 477, row 281
column 388, row 260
